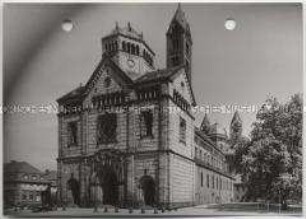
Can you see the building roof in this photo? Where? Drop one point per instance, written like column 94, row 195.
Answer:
column 205, row 125
column 180, row 18
column 236, row 118
column 74, row 94
column 50, row 174
column 20, row 167
column 158, row 74
column 207, row 139
column 128, row 31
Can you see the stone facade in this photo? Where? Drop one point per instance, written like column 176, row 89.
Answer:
column 128, row 137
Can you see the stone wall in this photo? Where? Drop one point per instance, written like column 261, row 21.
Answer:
column 212, row 192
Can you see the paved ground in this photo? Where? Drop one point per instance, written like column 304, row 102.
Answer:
column 203, row 210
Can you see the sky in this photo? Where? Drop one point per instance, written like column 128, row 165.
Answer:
column 261, row 57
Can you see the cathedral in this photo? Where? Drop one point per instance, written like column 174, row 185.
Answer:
column 128, row 136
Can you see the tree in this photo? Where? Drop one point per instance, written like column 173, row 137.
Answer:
column 275, row 150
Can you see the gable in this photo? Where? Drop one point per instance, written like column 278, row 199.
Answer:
column 181, row 84
column 107, row 78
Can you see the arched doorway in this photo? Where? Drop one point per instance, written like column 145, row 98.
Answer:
column 74, row 186
column 109, row 184
column 147, row 185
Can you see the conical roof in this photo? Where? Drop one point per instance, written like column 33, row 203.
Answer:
column 236, row 118
column 180, row 18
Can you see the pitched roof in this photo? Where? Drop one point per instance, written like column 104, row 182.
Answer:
column 206, row 138
column 20, row 167
column 106, row 59
column 205, row 125
column 236, row 118
column 78, row 93
column 75, row 94
column 127, row 31
column 180, row 18
column 158, row 74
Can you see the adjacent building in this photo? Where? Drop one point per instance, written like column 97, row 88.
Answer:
column 23, row 184
column 128, row 136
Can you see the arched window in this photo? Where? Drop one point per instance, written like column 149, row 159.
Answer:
column 137, row 50
column 128, row 47
column 123, row 46
column 133, row 49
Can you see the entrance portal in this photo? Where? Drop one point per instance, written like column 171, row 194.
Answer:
column 148, row 187
column 109, row 183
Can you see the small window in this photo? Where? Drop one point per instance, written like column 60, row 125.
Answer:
column 37, row 196
column 202, row 179
column 207, row 181
column 34, row 177
column 133, row 49
column 137, row 50
column 72, row 133
column 182, row 84
column 217, row 183
column 213, row 181
column 175, row 61
column 128, row 47
column 123, row 46
column 31, row 196
column 146, row 123
column 26, row 177
column 182, row 130
column 107, row 82
column 24, row 196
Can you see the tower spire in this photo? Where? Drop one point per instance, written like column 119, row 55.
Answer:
column 179, row 42
column 236, row 127
column 179, row 7
column 205, row 125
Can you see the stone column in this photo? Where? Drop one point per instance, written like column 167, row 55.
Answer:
column 130, row 186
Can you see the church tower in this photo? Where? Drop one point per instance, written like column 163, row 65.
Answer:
column 179, row 42
column 236, row 127
column 129, row 51
column 205, row 125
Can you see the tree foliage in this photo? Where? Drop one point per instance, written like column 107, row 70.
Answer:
column 272, row 163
